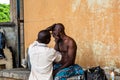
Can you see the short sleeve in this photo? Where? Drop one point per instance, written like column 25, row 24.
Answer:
column 58, row 56
column 55, row 55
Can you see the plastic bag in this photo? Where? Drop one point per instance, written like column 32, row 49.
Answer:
column 95, row 73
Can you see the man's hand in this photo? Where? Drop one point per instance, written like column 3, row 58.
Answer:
column 49, row 28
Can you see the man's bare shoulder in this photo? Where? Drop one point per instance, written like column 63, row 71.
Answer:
column 71, row 41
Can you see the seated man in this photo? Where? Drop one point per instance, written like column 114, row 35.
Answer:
column 67, row 46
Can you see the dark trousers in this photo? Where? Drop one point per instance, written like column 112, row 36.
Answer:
column 2, row 54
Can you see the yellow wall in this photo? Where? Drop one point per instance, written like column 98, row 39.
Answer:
column 94, row 24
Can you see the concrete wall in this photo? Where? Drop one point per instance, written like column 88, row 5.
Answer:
column 19, row 23
column 11, row 31
column 94, row 24
column 10, row 35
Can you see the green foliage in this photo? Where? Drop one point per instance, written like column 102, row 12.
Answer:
column 4, row 13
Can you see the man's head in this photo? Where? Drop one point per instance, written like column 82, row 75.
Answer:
column 58, row 30
column 44, row 36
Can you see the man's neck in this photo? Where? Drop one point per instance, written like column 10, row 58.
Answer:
column 63, row 37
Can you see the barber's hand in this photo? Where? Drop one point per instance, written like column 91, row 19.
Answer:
column 49, row 28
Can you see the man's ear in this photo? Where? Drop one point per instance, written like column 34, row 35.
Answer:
column 47, row 41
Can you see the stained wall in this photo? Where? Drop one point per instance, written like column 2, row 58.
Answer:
column 94, row 25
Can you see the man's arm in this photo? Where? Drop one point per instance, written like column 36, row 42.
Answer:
column 50, row 28
column 71, row 56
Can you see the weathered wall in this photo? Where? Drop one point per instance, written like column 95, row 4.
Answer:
column 9, row 31
column 94, row 24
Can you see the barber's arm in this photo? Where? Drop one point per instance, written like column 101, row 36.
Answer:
column 58, row 57
column 50, row 28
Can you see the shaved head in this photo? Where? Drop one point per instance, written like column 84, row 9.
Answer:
column 59, row 26
column 44, row 36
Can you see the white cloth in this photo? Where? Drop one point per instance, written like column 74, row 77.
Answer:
column 41, row 58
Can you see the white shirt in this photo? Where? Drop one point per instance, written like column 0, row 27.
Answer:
column 41, row 58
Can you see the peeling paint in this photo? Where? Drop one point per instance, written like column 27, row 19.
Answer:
column 94, row 24
column 75, row 5
column 96, row 5
column 100, row 48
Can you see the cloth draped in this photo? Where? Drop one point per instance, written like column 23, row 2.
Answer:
column 70, row 71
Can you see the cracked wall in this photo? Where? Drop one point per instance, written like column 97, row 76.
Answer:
column 94, row 24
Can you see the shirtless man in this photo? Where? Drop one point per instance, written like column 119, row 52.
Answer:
column 67, row 46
